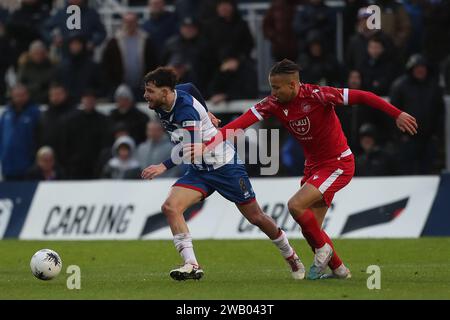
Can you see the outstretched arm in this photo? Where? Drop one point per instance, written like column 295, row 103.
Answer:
column 404, row 121
column 228, row 131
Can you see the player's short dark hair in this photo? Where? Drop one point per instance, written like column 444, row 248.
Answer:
column 284, row 66
column 162, row 77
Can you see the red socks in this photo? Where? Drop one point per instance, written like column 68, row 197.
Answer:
column 310, row 229
column 316, row 237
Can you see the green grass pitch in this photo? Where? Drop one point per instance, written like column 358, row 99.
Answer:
column 237, row 269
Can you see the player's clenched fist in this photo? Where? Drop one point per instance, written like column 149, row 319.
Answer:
column 153, row 171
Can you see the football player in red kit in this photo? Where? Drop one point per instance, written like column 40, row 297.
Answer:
column 307, row 112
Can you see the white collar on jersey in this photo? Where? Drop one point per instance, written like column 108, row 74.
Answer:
column 174, row 102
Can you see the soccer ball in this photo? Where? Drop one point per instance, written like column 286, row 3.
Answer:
column 45, row 264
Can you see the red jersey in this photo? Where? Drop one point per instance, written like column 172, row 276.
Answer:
column 311, row 119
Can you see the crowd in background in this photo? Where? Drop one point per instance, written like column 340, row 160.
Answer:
column 209, row 44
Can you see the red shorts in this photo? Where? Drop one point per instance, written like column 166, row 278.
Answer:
column 330, row 176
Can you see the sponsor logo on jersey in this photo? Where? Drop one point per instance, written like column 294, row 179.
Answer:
column 306, row 107
column 285, row 111
column 301, row 126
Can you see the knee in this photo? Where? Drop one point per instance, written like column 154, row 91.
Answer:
column 296, row 208
column 169, row 208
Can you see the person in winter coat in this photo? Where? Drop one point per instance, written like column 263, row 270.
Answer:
column 123, row 165
column 18, row 132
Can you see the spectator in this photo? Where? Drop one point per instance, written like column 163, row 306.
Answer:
column 55, row 29
column 78, row 71
column 378, row 69
column 356, row 51
column 82, row 147
column 36, row 71
column 186, row 53
column 118, row 130
column 351, row 117
column 156, row 148
column 350, row 17
column 231, row 43
column 228, row 34
column 128, row 56
column 315, row 17
column 319, row 66
column 51, row 124
column 372, row 161
column 161, row 25
column 123, row 165
column 418, row 93
column 18, row 126
column 45, row 167
column 126, row 112
column 278, row 29
column 396, row 23
column 24, row 24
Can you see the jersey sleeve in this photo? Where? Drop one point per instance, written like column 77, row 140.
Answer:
column 332, row 97
column 188, row 118
column 374, row 101
column 263, row 109
column 193, row 91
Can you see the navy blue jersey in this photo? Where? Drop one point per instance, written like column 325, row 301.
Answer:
column 189, row 114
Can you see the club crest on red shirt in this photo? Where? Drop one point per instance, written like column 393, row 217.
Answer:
column 301, row 126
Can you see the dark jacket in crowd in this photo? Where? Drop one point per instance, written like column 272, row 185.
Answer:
column 316, row 18
column 51, row 127
column 85, row 135
column 192, row 54
column 421, row 99
column 323, row 70
column 134, row 120
column 161, row 28
column 79, row 73
column 229, row 38
column 378, row 74
column 24, row 25
column 377, row 162
column 419, row 154
column 92, row 27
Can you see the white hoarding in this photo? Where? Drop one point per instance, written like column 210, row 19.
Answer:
column 367, row 207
